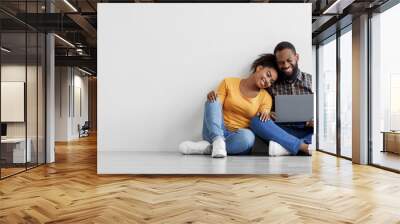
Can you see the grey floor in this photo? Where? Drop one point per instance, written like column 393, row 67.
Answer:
column 175, row 163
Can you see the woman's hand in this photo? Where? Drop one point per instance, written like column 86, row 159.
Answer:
column 264, row 116
column 212, row 96
column 273, row 115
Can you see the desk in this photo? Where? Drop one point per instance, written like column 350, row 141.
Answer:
column 15, row 148
column 391, row 141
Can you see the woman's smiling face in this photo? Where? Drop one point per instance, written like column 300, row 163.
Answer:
column 265, row 77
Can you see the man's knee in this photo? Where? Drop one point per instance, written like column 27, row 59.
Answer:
column 259, row 126
column 255, row 122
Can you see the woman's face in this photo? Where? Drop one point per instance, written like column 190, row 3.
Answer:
column 265, row 77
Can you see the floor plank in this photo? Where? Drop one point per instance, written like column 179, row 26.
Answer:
column 70, row 191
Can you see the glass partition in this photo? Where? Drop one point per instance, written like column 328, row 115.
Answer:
column 22, row 66
column 41, row 107
column 14, row 153
column 32, row 95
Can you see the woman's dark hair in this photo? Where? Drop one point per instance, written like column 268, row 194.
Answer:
column 265, row 60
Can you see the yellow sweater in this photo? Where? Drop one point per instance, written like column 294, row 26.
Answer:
column 238, row 109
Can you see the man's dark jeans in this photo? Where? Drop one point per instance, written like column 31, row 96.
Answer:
column 299, row 130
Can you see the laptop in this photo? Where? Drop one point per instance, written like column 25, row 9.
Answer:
column 294, row 108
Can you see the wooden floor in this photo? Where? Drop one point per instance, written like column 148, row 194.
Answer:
column 5, row 172
column 386, row 159
column 70, row 191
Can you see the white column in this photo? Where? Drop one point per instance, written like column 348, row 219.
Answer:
column 50, row 110
column 50, row 92
column 360, row 90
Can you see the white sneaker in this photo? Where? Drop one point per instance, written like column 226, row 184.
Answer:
column 195, row 148
column 218, row 148
column 277, row 150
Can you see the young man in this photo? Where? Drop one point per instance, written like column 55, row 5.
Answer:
column 292, row 81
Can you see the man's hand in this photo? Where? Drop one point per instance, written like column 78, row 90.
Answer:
column 264, row 116
column 212, row 96
column 310, row 124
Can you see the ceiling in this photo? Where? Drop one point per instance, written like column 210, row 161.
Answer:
column 76, row 21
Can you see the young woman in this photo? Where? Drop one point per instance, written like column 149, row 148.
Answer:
column 239, row 111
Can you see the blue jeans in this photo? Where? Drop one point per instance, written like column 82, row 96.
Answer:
column 268, row 130
column 298, row 130
column 239, row 142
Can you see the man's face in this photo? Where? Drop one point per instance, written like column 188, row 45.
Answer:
column 287, row 61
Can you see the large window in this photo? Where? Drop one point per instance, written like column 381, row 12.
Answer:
column 330, row 133
column 385, row 89
column 346, row 93
column 327, row 96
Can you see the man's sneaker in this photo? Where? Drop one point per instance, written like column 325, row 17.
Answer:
column 277, row 150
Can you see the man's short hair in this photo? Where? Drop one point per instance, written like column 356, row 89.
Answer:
column 284, row 45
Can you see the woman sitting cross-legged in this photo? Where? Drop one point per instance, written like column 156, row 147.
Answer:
column 240, row 109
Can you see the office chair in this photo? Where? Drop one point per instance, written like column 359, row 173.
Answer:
column 84, row 130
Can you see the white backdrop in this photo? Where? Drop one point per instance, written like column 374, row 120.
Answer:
column 156, row 62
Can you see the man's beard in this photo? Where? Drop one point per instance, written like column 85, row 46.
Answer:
column 293, row 75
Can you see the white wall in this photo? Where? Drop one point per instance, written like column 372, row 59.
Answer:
column 156, row 62
column 67, row 116
column 61, row 103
